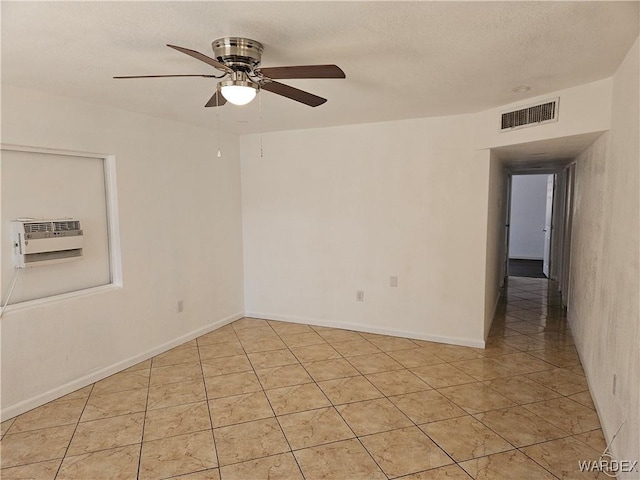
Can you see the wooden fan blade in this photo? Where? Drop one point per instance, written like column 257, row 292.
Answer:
column 202, row 57
column 304, row 71
column 163, row 76
column 294, row 93
column 217, row 100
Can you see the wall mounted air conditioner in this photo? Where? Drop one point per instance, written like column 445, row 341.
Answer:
column 45, row 242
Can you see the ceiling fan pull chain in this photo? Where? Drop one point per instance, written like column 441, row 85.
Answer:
column 219, row 154
column 260, row 102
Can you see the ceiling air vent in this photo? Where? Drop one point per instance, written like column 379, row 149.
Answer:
column 530, row 115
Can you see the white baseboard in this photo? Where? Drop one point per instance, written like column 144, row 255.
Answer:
column 38, row 400
column 465, row 342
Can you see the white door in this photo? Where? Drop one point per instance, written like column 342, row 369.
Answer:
column 547, row 225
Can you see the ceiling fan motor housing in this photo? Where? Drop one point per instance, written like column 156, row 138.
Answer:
column 239, row 58
column 239, row 53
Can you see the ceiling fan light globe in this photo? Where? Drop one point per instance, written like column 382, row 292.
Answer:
column 238, row 94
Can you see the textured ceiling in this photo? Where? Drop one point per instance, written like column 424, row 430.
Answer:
column 402, row 59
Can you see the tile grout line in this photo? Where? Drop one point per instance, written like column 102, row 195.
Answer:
column 206, row 398
column 406, row 368
column 264, row 392
column 74, row 432
column 333, row 406
column 356, row 437
column 544, row 441
column 144, row 419
column 386, row 397
column 323, row 393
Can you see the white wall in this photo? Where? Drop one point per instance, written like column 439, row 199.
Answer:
column 181, row 238
column 495, row 257
column 604, row 304
column 330, row 211
column 528, row 207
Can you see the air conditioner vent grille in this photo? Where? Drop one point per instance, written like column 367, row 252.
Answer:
column 528, row 116
column 38, row 227
column 52, row 226
column 66, row 225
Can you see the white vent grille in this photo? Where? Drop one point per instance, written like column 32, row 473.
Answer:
column 66, row 225
column 52, row 226
column 530, row 115
column 38, row 227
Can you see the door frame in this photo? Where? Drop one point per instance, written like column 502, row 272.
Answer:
column 548, row 229
column 510, row 176
column 564, row 275
column 507, row 227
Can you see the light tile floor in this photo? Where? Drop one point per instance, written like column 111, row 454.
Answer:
column 262, row 399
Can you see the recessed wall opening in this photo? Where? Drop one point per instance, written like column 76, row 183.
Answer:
column 538, row 191
column 47, row 196
column 538, row 225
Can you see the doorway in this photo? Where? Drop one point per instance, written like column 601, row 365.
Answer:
column 530, row 225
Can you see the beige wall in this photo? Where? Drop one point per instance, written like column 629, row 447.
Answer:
column 181, row 238
column 495, row 256
column 331, row 211
column 604, row 302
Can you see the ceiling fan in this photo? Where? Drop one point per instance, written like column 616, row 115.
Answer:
column 239, row 60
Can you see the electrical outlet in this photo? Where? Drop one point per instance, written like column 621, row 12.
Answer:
column 180, row 306
column 393, row 281
column 360, row 296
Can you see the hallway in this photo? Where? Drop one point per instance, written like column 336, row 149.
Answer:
column 266, row 399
